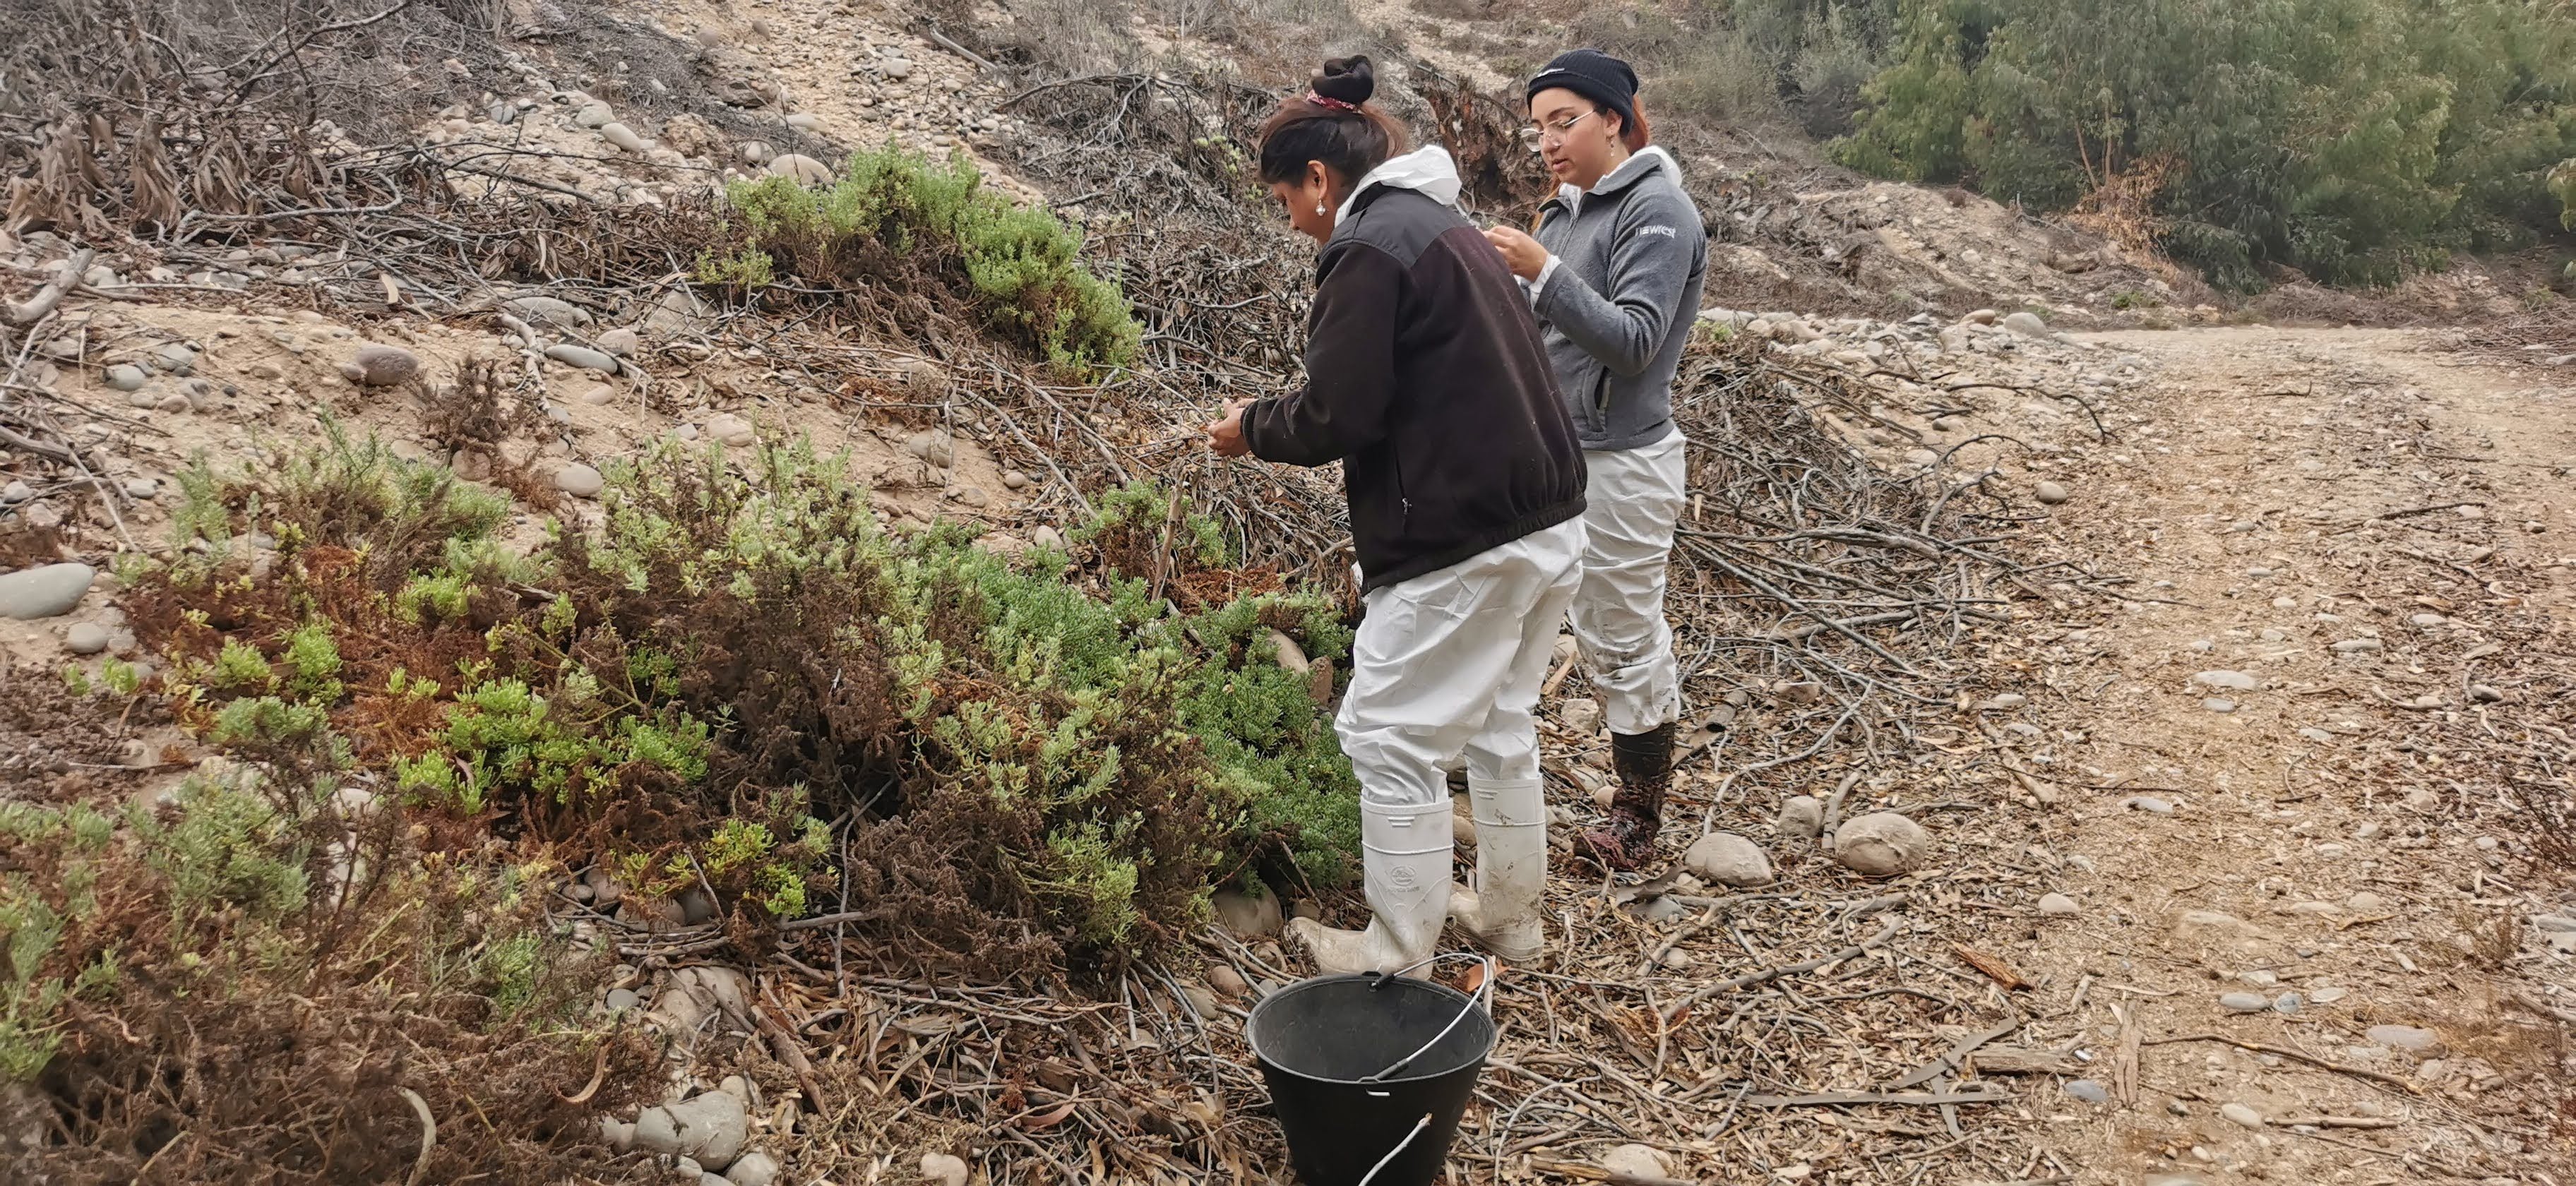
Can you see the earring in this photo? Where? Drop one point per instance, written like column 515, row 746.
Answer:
column 1319, row 207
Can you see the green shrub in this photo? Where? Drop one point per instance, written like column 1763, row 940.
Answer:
column 2353, row 139
column 1022, row 264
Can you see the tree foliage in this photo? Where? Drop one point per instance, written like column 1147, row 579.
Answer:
column 2351, row 139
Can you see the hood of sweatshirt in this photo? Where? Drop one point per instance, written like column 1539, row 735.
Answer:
column 1427, row 170
column 1638, row 164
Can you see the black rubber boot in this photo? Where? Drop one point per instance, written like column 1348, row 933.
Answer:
column 1644, row 763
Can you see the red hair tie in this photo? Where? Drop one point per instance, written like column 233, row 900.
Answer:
column 1331, row 103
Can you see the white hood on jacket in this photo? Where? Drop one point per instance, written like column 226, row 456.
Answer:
column 1426, row 170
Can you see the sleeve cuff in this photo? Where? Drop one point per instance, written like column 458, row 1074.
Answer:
column 1546, row 271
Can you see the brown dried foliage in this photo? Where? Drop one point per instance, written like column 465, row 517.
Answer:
column 230, row 1049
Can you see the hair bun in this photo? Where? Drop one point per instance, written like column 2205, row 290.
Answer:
column 1346, row 79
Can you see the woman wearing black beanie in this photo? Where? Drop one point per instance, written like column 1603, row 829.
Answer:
column 1425, row 379
column 1614, row 275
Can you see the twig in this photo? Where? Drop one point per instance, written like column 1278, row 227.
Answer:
column 42, row 305
column 428, row 1134
column 1674, row 1010
column 2297, row 1055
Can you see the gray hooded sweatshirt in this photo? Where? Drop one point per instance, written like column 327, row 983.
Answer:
column 1618, row 299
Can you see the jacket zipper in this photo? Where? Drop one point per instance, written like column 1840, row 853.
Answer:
column 1601, row 402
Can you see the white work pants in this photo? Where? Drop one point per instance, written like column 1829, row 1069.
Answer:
column 1450, row 663
column 1631, row 506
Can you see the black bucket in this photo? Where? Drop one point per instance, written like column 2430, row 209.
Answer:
column 1323, row 1045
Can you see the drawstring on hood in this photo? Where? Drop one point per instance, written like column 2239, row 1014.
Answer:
column 1426, row 170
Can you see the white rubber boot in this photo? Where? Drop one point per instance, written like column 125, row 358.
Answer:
column 1502, row 912
column 1405, row 858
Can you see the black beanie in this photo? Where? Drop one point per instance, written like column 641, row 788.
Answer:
column 1594, row 75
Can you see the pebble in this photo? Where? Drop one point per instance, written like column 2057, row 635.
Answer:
column 16, row 492
column 622, row 1000
column 1801, row 815
column 2244, row 1002
column 594, row 115
column 797, row 167
column 2328, row 996
column 622, row 342
column 1014, row 480
column 2366, row 901
column 2149, row 804
column 1881, row 844
column 85, row 638
column 2233, row 680
column 622, row 136
column 175, row 358
column 45, row 591
column 923, row 377
column 896, row 69
column 173, row 402
column 2287, row 1002
column 731, row 429
column 1728, row 859
column 972, row 496
column 1637, row 1162
column 2088, row 1090
column 2057, row 904
column 804, row 121
column 1247, row 916
column 2423, row 799
column 944, row 1169
column 2402, row 1037
column 597, row 394
column 581, row 356
column 933, row 446
column 552, row 310
column 2313, row 733
column 1581, row 715
column 2050, row 493
column 143, row 488
column 712, row 1127
column 1047, row 537
column 1226, row 981
column 2485, row 693
column 380, row 366
column 2356, row 645
column 2240, row 1114
column 125, row 376
column 752, row 1169
column 579, row 480
column 2005, row 700
column 2218, row 704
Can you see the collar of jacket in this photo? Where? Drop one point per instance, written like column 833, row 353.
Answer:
column 1639, row 164
column 1427, row 170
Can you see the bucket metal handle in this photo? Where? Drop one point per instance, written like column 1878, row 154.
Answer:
column 1483, row 991
column 1418, row 1126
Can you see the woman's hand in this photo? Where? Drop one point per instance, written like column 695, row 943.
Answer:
column 1521, row 254
column 1225, row 436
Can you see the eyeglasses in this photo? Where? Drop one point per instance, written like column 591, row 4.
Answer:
column 1556, row 133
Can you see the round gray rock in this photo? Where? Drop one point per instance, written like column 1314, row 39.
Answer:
column 2050, row 493
column 2403, row 1037
column 621, row 342
column 46, row 591
column 1801, row 815
column 125, row 376
column 622, row 136
column 753, row 1169
column 579, row 480
column 1728, row 859
column 581, row 356
column 85, row 638
column 381, row 366
column 1881, row 844
column 2026, row 323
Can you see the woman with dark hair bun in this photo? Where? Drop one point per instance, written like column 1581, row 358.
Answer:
column 1425, row 379
column 1614, row 275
